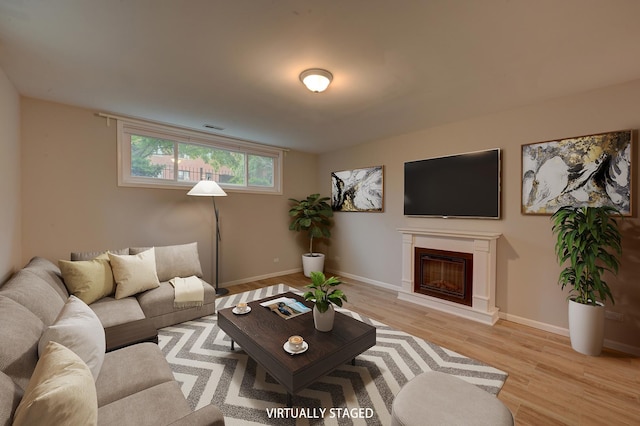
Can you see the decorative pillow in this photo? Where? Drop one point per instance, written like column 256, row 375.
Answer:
column 79, row 329
column 134, row 273
column 88, row 280
column 175, row 261
column 61, row 391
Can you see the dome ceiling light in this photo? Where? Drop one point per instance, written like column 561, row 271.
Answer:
column 316, row 80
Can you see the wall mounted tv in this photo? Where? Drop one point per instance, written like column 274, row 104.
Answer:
column 463, row 185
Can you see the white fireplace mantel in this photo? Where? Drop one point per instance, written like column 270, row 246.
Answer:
column 483, row 247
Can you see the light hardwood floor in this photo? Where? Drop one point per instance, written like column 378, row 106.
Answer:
column 548, row 383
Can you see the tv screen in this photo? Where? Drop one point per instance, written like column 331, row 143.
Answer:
column 463, row 185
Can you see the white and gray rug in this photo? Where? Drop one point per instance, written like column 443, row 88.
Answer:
column 209, row 372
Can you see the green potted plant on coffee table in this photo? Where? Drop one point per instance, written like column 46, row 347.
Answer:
column 311, row 215
column 588, row 239
column 324, row 295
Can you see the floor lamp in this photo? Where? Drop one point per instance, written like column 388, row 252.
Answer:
column 209, row 188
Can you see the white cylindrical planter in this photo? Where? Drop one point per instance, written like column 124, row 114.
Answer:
column 323, row 320
column 586, row 328
column 314, row 262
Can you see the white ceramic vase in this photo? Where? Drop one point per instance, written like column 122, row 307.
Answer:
column 312, row 262
column 323, row 320
column 586, row 328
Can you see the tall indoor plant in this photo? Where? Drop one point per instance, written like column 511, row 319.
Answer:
column 312, row 215
column 324, row 295
column 588, row 239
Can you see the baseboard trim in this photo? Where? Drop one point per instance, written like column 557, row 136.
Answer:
column 365, row 280
column 259, row 277
column 534, row 324
column 610, row 344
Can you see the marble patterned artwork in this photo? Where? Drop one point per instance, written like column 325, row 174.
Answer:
column 358, row 190
column 592, row 170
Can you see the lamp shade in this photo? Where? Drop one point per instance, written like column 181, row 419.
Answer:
column 207, row 188
column 316, row 80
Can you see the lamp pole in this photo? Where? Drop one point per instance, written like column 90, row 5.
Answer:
column 209, row 188
column 219, row 291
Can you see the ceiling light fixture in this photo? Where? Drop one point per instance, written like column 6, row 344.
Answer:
column 316, row 80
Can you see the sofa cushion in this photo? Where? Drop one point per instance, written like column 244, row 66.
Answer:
column 88, row 255
column 131, row 369
column 10, row 395
column 113, row 312
column 159, row 301
column 49, row 272
column 61, row 391
column 180, row 260
column 35, row 294
column 79, row 329
column 20, row 332
column 134, row 273
column 158, row 405
column 88, row 280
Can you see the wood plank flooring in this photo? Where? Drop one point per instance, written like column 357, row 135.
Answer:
column 548, row 384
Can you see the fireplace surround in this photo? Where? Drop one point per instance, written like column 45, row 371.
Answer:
column 479, row 246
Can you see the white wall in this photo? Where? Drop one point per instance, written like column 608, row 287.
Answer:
column 368, row 246
column 10, row 224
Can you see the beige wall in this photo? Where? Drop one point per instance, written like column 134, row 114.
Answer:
column 368, row 246
column 9, row 178
column 71, row 201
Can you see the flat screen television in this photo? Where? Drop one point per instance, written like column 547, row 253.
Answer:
column 463, row 185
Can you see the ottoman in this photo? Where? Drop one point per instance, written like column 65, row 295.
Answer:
column 435, row 398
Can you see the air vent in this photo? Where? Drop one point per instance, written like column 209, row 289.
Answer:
column 211, row 126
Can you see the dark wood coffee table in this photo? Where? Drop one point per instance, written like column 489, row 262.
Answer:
column 262, row 334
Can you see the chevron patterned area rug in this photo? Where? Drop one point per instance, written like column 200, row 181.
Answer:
column 209, row 372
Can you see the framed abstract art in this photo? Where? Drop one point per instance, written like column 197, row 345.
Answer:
column 357, row 190
column 593, row 170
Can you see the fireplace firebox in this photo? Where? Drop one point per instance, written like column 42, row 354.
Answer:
column 444, row 274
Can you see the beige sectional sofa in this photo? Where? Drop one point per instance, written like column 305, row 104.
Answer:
column 133, row 385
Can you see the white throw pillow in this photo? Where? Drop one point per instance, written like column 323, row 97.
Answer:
column 61, row 391
column 134, row 273
column 79, row 329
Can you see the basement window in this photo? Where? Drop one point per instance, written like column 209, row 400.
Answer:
column 154, row 155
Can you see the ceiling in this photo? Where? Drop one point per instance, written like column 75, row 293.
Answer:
column 398, row 66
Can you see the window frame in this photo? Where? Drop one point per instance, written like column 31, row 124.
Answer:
column 191, row 137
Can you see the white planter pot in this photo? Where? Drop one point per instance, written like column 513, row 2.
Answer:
column 312, row 263
column 586, row 328
column 323, row 320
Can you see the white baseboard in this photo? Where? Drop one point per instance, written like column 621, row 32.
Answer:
column 611, row 344
column 259, row 277
column 534, row 324
column 365, row 280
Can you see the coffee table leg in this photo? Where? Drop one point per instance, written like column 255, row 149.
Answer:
column 289, row 400
column 232, row 345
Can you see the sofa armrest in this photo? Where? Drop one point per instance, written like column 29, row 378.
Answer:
column 209, row 415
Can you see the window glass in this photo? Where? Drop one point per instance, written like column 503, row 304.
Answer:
column 260, row 170
column 150, row 156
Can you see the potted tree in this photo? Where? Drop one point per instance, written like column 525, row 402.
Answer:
column 311, row 215
column 588, row 239
column 324, row 295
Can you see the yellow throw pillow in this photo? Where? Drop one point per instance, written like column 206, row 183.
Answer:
column 134, row 273
column 61, row 391
column 88, row 280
